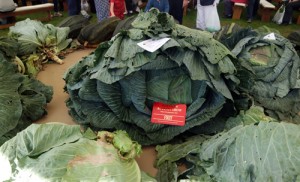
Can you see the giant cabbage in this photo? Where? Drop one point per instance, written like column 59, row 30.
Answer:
column 22, row 99
column 268, row 70
column 257, row 149
column 58, row 152
column 116, row 86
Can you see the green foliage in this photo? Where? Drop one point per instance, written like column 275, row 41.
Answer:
column 268, row 71
column 38, row 43
column 23, row 100
column 257, row 149
column 57, row 152
column 116, row 86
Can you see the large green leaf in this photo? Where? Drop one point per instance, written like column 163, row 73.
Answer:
column 22, row 100
column 267, row 151
column 56, row 152
column 9, row 46
column 255, row 149
column 10, row 103
column 30, row 34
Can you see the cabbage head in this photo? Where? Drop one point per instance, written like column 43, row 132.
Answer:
column 39, row 43
column 268, row 71
column 116, row 86
column 58, row 152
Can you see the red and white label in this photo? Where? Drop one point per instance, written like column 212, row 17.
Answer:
column 168, row 114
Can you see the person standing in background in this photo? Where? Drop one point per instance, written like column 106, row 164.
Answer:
column 56, row 9
column 7, row 6
column 288, row 14
column 117, row 8
column 161, row 5
column 129, row 6
column 24, row 3
column 74, row 7
column 207, row 15
column 102, row 9
column 228, row 8
column 92, row 6
column 252, row 8
column 176, row 9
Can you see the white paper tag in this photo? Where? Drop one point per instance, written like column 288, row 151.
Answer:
column 270, row 36
column 152, row 45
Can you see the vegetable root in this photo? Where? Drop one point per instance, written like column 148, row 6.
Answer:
column 52, row 56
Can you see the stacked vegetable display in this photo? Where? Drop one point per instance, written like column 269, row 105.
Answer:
column 230, row 88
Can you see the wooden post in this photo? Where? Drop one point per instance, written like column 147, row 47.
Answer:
column 266, row 14
column 237, row 12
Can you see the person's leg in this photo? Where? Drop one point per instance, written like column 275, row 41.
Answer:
column 92, row 6
column 128, row 4
column 56, row 9
column 102, row 9
column 176, row 9
column 73, row 7
column 255, row 8
column 24, row 3
column 34, row 2
column 61, row 5
column 250, row 8
column 55, row 3
column 228, row 5
column 288, row 14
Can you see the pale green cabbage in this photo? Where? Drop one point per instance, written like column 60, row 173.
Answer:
column 257, row 149
column 39, row 43
column 58, row 152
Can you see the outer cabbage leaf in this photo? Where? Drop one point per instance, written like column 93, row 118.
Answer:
column 56, row 152
column 254, row 149
column 30, row 34
column 10, row 103
column 22, row 100
column 8, row 47
column 267, row 151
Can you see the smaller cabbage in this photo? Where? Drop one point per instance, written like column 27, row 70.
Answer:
column 57, row 152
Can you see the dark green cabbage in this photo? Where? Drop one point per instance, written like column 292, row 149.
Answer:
column 116, row 86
